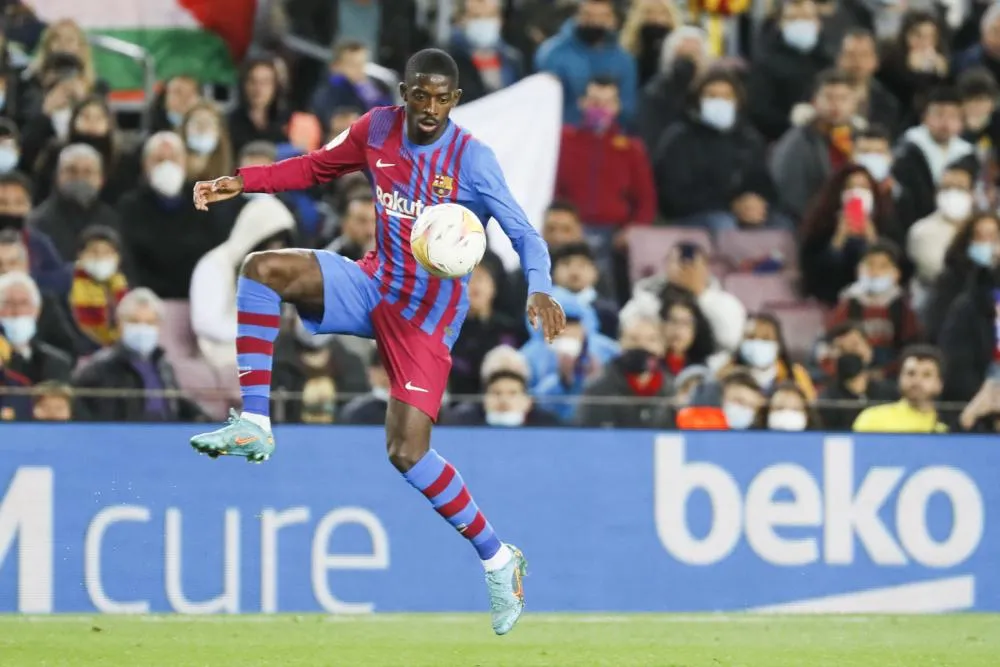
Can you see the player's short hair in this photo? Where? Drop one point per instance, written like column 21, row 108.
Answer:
column 977, row 83
column 923, row 352
column 875, row 131
column 570, row 250
column 431, row 61
column 99, row 233
column 18, row 179
column 499, row 375
column 265, row 149
column 832, row 77
column 347, row 46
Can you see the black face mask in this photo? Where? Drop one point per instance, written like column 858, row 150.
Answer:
column 8, row 221
column 591, row 34
column 849, row 366
column 636, row 362
column 652, row 36
column 683, row 70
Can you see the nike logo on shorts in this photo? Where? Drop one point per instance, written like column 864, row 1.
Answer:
column 409, row 386
column 383, row 165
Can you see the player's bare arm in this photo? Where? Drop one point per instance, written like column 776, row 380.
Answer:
column 221, row 189
column 545, row 313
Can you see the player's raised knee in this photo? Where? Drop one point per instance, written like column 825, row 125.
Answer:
column 265, row 267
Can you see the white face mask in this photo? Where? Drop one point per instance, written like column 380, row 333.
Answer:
column 567, row 346
column 8, row 159
column 140, row 338
column 759, row 353
column 100, row 269
column 60, row 122
column 876, row 164
column 786, row 420
column 864, row 194
column 505, row 418
column 801, row 34
column 483, row 33
column 202, row 144
column 956, row 205
column 719, row 113
column 738, row 417
column 167, row 178
column 19, row 330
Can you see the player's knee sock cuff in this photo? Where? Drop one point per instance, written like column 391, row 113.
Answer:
column 257, row 297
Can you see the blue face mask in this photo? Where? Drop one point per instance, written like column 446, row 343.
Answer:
column 877, row 284
column 483, row 33
column 719, row 113
column 8, row 159
column 738, row 417
column 981, row 253
column 802, row 35
column 507, row 418
column 202, row 144
column 140, row 338
column 759, row 353
column 19, row 330
column 175, row 118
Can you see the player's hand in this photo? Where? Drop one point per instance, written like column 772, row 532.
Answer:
column 221, row 189
column 545, row 313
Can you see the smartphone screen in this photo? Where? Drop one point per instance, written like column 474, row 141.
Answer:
column 854, row 212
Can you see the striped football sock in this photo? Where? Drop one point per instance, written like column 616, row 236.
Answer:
column 443, row 486
column 258, row 319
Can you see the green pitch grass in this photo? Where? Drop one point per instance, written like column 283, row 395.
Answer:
column 460, row 640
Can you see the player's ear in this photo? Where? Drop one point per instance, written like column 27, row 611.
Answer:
column 402, row 90
column 458, row 95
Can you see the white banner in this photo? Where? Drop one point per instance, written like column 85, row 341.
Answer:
column 521, row 124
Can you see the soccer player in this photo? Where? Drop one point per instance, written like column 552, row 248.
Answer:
column 415, row 157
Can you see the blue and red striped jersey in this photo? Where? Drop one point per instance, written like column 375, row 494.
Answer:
column 405, row 178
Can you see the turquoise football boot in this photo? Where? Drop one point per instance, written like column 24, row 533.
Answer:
column 239, row 437
column 507, row 592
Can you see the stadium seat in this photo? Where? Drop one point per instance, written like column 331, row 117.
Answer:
column 742, row 247
column 201, row 384
column 648, row 246
column 757, row 289
column 176, row 336
column 801, row 325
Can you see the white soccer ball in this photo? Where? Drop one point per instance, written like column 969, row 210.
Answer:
column 448, row 240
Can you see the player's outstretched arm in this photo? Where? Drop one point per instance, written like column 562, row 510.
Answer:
column 221, row 189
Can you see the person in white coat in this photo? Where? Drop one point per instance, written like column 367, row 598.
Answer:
column 264, row 223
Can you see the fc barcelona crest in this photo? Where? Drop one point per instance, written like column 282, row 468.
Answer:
column 443, row 185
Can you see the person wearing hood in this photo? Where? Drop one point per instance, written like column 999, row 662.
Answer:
column 876, row 302
column 663, row 100
column 74, row 204
column 485, row 62
column 788, row 60
column 722, row 182
column 687, row 266
column 164, row 234
column 926, row 150
column 586, row 47
column 263, row 224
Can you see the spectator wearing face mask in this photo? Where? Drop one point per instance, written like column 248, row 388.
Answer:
column 54, row 325
column 928, row 239
column 920, row 384
column 723, row 182
column 849, row 214
column 788, row 409
column 853, row 384
column 98, row 286
column 637, row 374
column 369, row 409
column 979, row 92
column 263, row 224
column 209, row 149
column 858, row 59
column 164, row 235
column 484, row 329
column 321, row 368
column 347, row 84
column 687, row 335
column 764, row 353
column 486, row 63
column 52, row 402
column 575, row 365
column 586, row 47
column 882, row 309
column 260, row 114
column 790, row 58
column 928, row 149
column 684, row 57
column 574, row 268
column 506, row 404
column 872, row 149
column 916, row 63
column 603, row 172
column 180, row 94
column 136, row 364
column 10, row 146
column 64, row 85
column 742, row 401
column 20, row 306
column 975, row 249
column 357, row 228
column 646, row 27
column 807, row 154
column 44, row 263
column 74, row 205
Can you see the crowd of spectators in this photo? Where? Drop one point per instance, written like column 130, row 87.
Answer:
column 793, row 230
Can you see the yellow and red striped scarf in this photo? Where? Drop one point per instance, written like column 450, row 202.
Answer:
column 93, row 305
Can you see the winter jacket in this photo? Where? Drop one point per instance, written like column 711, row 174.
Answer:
column 576, row 63
column 800, row 164
column 213, row 281
column 45, row 363
column 642, row 413
column 700, row 169
column 63, row 220
column 662, row 102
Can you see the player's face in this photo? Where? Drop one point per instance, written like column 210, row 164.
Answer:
column 919, row 380
column 429, row 99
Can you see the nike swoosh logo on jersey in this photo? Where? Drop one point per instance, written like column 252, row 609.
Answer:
column 410, row 387
column 383, row 165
